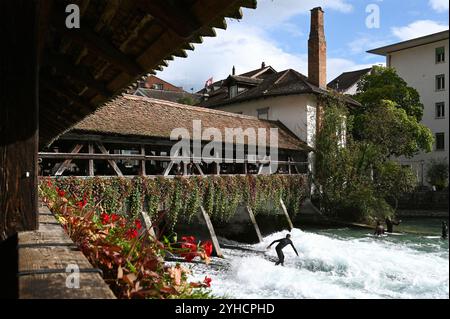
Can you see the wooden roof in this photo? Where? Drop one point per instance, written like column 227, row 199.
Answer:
column 137, row 116
column 119, row 42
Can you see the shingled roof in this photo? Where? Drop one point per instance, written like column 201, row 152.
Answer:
column 137, row 116
column 286, row 82
column 347, row 79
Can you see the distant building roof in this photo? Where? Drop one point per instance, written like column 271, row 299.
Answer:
column 144, row 117
column 435, row 37
column 287, row 82
column 347, row 79
column 171, row 96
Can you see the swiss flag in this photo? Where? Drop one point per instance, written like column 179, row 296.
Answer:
column 209, row 82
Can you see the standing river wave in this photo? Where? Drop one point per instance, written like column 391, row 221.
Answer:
column 334, row 264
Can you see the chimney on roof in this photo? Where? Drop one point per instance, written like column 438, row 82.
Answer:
column 233, row 71
column 263, row 65
column 317, row 50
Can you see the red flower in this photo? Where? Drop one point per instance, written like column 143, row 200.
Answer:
column 49, row 183
column 131, row 233
column 207, row 282
column 207, row 247
column 114, row 217
column 138, row 224
column 105, row 218
column 82, row 203
column 188, row 239
column 61, row 193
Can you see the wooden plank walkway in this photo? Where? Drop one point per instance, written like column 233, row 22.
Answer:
column 46, row 259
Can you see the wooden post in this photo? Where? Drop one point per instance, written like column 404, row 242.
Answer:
column 18, row 116
column 111, row 162
column 211, row 232
column 66, row 163
column 142, row 170
column 288, row 218
column 255, row 224
column 91, row 161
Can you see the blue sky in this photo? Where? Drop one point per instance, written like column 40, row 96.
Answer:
column 277, row 33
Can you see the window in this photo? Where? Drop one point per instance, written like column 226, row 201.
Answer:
column 440, row 141
column 158, row 86
column 263, row 114
column 440, row 82
column 440, row 55
column 440, row 110
column 233, row 91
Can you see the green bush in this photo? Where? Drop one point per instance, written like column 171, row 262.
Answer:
column 438, row 174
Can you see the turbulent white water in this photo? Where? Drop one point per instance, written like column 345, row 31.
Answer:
column 333, row 267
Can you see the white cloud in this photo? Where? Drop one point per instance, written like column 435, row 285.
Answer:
column 439, row 5
column 418, row 29
column 364, row 43
column 246, row 44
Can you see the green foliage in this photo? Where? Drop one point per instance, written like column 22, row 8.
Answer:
column 385, row 84
column 438, row 174
column 187, row 100
column 391, row 180
column 220, row 195
column 392, row 130
column 354, row 181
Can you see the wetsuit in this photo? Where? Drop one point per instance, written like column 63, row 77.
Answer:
column 444, row 231
column 279, row 249
column 390, row 225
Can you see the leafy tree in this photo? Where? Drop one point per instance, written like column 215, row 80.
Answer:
column 392, row 180
column 394, row 131
column 438, row 174
column 187, row 100
column 385, row 84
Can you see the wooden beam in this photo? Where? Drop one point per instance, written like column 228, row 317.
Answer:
column 286, row 214
column 91, row 150
column 19, row 21
column 142, row 170
column 172, row 14
column 95, row 43
column 45, row 10
column 73, row 97
column 67, row 162
column 111, row 162
column 254, row 223
column 211, row 232
column 79, row 73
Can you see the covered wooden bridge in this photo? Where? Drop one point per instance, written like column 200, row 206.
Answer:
column 131, row 136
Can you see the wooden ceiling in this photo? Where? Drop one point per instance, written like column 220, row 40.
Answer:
column 119, row 42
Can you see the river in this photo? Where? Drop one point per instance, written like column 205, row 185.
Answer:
column 337, row 263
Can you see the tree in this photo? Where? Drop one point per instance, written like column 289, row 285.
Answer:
column 392, row 130
column 187, row 100
column 385, row 84
column 438, row 174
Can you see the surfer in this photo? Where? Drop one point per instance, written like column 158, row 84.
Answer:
column 390, row 224
column 379, row 230
column 444, row 230
column 279, row 248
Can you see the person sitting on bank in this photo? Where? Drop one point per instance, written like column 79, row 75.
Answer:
column 379, row 230
column 444, row 230
column 279, row 248
column 390, row 224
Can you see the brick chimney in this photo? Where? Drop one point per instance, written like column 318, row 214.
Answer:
column 317, row 50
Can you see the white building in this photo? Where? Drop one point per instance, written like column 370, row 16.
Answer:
column 423, row 64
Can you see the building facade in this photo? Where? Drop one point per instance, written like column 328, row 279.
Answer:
column 423, row 64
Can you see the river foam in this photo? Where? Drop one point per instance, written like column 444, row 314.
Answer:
column 333, row 267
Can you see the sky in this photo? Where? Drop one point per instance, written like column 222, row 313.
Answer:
column 277, row 33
